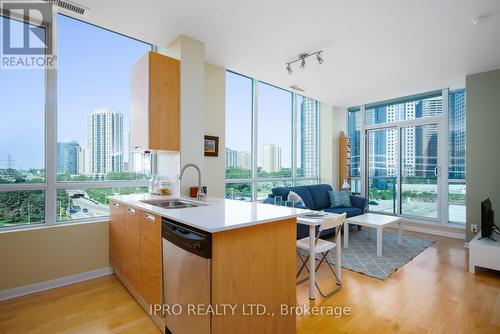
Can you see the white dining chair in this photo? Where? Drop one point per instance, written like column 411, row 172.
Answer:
column 323, row 247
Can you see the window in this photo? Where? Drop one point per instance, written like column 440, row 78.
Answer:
column 44, row 180
column 88, row 203
column 274, row 136
column 239, row 105
column 22, row 142
column 307, row 137
column 403, row 156
column 272, row 143
column 353, row 132
column 456, row 156
column 22, row 207
column 93, row 134
column 411, row 107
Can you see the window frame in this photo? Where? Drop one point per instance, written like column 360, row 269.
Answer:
column 50, row 186
column 293, row 179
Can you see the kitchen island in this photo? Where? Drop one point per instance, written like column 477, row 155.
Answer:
column 252, row 261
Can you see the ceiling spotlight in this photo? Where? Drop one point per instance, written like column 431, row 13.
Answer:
column 319, row 58
column 302, row 59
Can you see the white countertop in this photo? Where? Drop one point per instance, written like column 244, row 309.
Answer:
column 214, row 215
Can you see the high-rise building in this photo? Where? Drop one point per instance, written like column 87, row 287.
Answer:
column 231, row 158
column 82, row 162
column 309, row 137
column 243, row 159
column 105, row 142
column 269, row 158
column 457, row 134
column 68, row 157
column 355, row 135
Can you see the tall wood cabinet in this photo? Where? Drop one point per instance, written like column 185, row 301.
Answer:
column 344, row 159
column 116, row 236
column 155, row 103
column 151, row 264
column 135, row 249
column 132, row 242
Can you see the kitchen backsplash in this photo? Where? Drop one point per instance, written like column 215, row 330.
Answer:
column 169, row 166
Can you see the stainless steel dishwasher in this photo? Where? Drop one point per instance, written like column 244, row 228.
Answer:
column 187, row 256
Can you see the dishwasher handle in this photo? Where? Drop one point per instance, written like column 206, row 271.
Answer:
column 183, row 233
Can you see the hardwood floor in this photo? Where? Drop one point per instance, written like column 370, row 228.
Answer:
column 433, row 293
column 96, row 306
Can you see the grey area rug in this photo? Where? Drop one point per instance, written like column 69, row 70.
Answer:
column 361, row 255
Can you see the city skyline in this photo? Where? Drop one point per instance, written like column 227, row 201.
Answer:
column 269, row 155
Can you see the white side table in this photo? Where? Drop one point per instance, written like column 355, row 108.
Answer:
column 373, row 220
column 484, row 253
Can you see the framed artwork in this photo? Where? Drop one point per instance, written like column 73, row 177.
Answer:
column 211, row 146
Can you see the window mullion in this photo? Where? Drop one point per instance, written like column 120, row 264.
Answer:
column 51, row 137
column 50, row 147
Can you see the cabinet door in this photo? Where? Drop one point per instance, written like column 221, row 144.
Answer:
column 164, row 102
column 116, row 236
column 139, row 104
column 150, row 284
column 132, row 251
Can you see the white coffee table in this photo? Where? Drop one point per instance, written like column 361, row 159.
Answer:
column 373, row 220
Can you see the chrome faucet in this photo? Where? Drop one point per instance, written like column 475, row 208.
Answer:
column 200, row 196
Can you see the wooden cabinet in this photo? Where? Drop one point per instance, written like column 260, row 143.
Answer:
column 344, row 159
column 255, row 264
column 116, row 236
column 151, row 263
column 155, row 103
column 132, row 249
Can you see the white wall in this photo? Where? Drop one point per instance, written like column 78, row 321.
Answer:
column 333, row 121
column 192, row 56
column 215, row 125
column 483, row 136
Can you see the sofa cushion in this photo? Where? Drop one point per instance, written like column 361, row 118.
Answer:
column 295, row 198
column 302, row 191
column 340, row 199
column 319, row 194
column 351, row 212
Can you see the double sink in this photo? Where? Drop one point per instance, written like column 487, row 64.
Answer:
column 173, row 204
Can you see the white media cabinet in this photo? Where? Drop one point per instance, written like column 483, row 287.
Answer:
column 484, row 253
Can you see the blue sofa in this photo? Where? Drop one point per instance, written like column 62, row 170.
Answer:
column 316, row 197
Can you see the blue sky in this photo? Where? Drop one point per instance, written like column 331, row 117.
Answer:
column 93, row 72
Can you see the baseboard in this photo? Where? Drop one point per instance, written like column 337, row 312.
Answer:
column 449, row 234
column 54, row 283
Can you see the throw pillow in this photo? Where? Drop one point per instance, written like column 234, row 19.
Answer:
column 339, row 199
column 297, row 200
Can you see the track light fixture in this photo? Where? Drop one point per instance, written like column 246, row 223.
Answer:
column 302, row 58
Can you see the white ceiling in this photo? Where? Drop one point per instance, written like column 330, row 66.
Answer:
column 373, row 50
